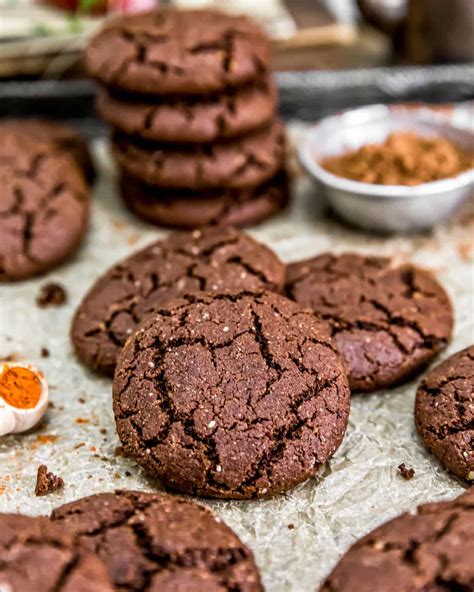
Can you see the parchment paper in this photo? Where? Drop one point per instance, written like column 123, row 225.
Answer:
column 298, row 537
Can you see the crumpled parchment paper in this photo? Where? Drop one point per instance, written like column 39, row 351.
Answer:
column 298, row 537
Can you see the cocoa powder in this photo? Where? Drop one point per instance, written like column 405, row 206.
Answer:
column 405, row 158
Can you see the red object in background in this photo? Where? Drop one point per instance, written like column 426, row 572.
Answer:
column 85, row 6
column 102, row 6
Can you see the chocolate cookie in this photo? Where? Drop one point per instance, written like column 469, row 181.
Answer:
column 444, row 412
column 38, row 556
column 232, row 395
column 240, row 163
column 160, row 543
column 178, row 52
column 44, row 206
column 210, row 259
column 386, row 320
column 181, row 208
column 61, row 136
column 193, row 119
column 430, row 551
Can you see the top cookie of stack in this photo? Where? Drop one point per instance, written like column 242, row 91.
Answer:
column 192, row 103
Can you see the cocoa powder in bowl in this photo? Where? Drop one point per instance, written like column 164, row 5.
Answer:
column 405, row 158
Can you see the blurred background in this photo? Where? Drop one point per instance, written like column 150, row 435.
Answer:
column 44, row 38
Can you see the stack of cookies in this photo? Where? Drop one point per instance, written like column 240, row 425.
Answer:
column 192, row 103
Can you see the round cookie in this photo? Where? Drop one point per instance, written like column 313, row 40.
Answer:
column 38, row 556
column 160, row 543
column 387, row 321
column 44, row 206
column 430, row 551
column 193, row 119
column 63, row 137
column 240, row 163
column 178, row 52
column 190, row 209
column 209, row 259
column 444, row 412
column 231, row 395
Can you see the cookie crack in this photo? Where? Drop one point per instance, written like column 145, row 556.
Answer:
column 102, row 528
column 444, row 431
column 263, row 344
column 436, row 390
column 66, row 573
column 249, row 268
column 44, row 207
column 286, row 434
column 215, row 560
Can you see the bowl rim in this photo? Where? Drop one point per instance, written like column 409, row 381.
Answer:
column 426, row 115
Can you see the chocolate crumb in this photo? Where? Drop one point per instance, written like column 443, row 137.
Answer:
column 291, row 526
column 128, row 474
column 51, row 294
column 47, row 482
column 405, row 472
column 119, row 451
column 10, row 358
column 44, row 352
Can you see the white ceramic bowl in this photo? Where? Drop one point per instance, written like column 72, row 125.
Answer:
column 387, row 208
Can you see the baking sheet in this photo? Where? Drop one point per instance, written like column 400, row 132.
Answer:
column 303, row 95
column 297, row 537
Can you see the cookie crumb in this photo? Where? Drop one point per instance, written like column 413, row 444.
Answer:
column 44, row 352
column 51, row 294
column 10, row 358
column 47, row 482
column 405, row 472
column 119, row 452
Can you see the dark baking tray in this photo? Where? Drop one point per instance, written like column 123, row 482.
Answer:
column 303, row 95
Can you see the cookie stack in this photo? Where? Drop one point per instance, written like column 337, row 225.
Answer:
column 192, row 103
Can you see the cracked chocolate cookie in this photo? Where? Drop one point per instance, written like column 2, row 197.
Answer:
column 193, row 119
column 430, row 551
column 61, row 136
column 178, row 52
column 240, row 163
column 387, row 321
column 160, row 543
column 212, row 259
column 181, row 208
column 38, row 556
column 44, row 206
column 444, row 412
column 232, row 395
